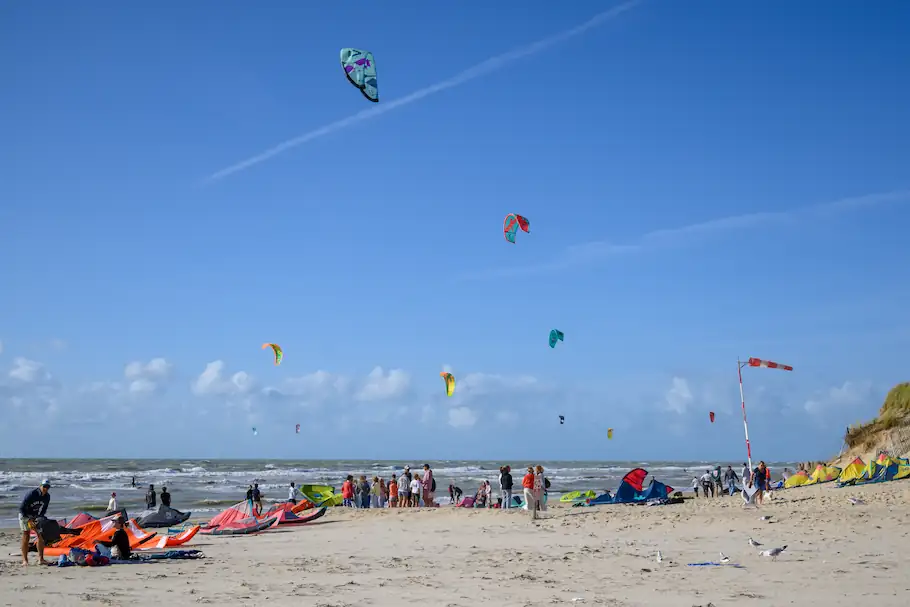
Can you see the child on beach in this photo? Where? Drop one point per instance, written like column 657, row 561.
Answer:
column 415, row 491
column 695, row 486
column 383, row 493
column 393, row 492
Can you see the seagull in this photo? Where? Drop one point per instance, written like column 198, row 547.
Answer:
column 767, row 517
column 724, row 558
column 773, row 553
column 659, row 556
column 855, row 501
column 753, row 543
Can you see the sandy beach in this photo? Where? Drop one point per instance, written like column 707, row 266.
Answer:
column 838, row 554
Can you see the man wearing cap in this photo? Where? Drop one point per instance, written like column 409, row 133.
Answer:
column 34, row 505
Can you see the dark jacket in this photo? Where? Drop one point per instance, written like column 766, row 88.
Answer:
column 34, row 504
column 166, row 498
column 506, row 481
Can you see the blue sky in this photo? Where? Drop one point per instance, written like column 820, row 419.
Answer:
column 704, row 180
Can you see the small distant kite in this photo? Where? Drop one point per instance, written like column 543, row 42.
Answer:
column 610, row 433
column 450, row 382
column 297, row 429
column 360, row 68
column 511, row 224
column 255, row 432
column 562, row 420
column 277, row 350
column 711, row 415
column 555, row 336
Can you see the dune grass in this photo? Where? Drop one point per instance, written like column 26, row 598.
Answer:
column 894, row 412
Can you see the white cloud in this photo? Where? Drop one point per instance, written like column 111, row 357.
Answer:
column 146, row 378
column 679, row 396
column 382, row 386
column 839, row 398
column 212, row 382
column 462, row 417
column 317, row 387
column 29, row 371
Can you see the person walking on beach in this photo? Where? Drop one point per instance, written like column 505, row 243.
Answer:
column 707, row 483
column 415, row 491
column 759, row 481
column 165, row 497
column 527, row 483
column 429, row 486
column 393, row 492
column 33, row 506
column 347, row 491
column 717, row 477
column 505, row 487
column 695, row 486
column 730, row 479
column 151, row 500
column 292, row 494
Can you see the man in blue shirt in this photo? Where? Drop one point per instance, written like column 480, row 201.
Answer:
column 34, row 504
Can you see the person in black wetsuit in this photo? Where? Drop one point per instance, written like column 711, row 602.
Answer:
column 33, row 505
column 120, row 541
column 150, row 498
column 165, row 497
column 257, row 498
column 249, row 493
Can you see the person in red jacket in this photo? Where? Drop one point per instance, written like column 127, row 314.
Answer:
column 347, row 492
column 530, row 498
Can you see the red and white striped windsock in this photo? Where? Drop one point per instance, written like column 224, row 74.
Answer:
column 757, row 362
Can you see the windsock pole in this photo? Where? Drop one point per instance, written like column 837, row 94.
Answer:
column 753, row 362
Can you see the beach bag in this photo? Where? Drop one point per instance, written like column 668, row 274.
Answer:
column 433, row 487
column 546, row 483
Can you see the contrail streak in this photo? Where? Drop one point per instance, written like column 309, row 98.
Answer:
column 481, row 69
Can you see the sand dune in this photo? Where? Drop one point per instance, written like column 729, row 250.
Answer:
column 838, row 554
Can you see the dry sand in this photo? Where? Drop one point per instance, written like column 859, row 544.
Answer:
column 837, row 554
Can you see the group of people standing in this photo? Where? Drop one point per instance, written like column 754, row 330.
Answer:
column 713, row 483
column 405, row 491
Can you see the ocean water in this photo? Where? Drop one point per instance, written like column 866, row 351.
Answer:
column 209, row 486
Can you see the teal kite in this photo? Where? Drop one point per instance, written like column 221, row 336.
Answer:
column 510, row 226
column 555, row 336
column 360, row 68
